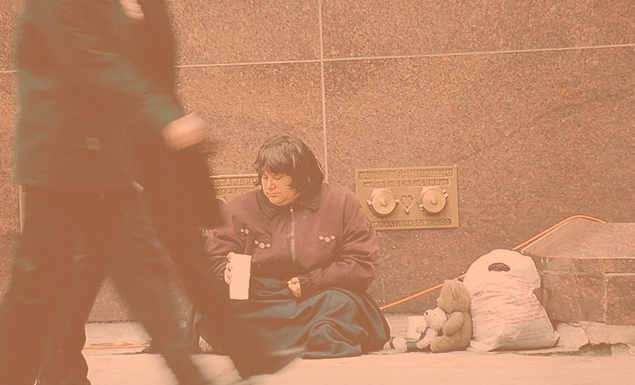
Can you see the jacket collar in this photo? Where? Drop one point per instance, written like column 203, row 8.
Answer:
column 310, row 200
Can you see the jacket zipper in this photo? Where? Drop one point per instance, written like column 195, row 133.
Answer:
column 292, row 236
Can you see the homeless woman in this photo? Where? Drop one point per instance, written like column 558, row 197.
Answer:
column 314, row 255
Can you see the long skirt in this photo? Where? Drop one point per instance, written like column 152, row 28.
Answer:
column 332, row 323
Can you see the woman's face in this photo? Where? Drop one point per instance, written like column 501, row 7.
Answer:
column 277, row 187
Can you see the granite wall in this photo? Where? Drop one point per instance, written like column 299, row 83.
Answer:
column 532, row 101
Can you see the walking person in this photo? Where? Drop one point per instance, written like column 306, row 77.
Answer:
column 180, row 197
column 79, row 97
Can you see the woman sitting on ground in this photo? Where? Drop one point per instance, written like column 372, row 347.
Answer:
column 314, row 255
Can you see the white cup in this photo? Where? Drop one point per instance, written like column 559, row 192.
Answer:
column 241, row 271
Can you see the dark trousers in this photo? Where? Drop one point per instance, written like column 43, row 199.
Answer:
column 63, row 362
column 113, row 231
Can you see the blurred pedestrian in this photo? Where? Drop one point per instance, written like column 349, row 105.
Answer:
column 80, row 99
column 180, row 197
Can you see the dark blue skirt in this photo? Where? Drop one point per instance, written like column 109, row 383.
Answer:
column 332, row 323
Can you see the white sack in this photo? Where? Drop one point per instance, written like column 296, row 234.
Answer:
column 506, row 314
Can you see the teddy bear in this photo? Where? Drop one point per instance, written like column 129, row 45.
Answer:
column 455, row 333
column 435, row 318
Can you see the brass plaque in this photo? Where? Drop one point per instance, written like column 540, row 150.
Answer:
column 409, row 198
column 229, row 186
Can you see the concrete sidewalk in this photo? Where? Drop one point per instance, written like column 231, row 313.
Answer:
column 113, row 355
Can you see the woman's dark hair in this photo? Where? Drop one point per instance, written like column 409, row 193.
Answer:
column 286, row 154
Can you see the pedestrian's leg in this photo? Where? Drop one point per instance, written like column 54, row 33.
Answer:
column 137, row 262
column 211, row 299
column 181, row 202
column 41, row 268
column 63, row 362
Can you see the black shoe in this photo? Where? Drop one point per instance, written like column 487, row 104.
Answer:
column 272, row 362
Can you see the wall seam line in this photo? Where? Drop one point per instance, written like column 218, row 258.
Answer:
column 322, row 60
column 323, row 94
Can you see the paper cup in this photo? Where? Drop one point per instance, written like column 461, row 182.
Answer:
column 241, row 271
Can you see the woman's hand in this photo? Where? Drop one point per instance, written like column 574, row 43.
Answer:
column 228, row 270
column 294, row 286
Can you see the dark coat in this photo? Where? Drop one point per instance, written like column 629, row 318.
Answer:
column 96, row 88
column 79, row 92
column 325, row 239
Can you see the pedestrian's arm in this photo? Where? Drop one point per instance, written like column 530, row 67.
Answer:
column 90, row 58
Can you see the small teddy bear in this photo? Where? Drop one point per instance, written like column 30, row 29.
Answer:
column 455, row 333
column 435, row 318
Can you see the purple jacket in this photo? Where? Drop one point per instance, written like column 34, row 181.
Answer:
column 324, row 239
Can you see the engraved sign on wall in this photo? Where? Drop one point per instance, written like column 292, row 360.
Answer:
column 409, row 198
column 229, row 186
